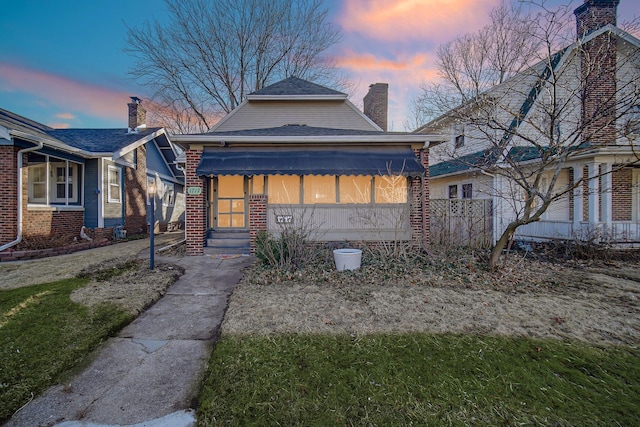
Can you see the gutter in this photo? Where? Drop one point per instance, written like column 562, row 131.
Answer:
column 19, row 233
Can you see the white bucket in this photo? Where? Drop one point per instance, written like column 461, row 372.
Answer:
column 347, row 259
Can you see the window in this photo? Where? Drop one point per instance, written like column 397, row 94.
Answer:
column 355, row 189
column 460, row 141
column 284, row 189
column 319, row 189
column 168, row 194
column 53, row 181
column 114, row 184
column 257, row 184
column 390, row 189
column 453, row 191
column 467, row 191
column 38, row 184
column 632, row 126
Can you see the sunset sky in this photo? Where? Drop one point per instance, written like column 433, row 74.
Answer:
column 63, row 63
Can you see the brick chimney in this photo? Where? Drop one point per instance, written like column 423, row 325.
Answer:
column 376, row 104
column 598, row 66
column 137, row 114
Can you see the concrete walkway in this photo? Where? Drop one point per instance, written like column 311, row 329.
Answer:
column 148, row 375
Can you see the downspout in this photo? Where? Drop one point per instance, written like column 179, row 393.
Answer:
column 19, row 234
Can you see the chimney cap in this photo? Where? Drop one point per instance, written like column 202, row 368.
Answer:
column 135, row 99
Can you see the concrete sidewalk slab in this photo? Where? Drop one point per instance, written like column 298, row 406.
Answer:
column 150, row 372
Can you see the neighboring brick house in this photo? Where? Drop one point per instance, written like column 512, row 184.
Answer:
column 297, row 152
column 608, row 202
column 96, row 178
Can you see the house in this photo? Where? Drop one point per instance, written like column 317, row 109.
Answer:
column 300, row 154
column 55, row 181
column 605, row 202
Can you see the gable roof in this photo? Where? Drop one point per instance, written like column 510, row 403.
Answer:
column 101, row 140
column 294, row 86
column 542, row 71
column 17, row 122
column 295, row 101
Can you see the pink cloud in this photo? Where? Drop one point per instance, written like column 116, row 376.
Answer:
column 65, row 116
column 65, row 93
column 406, row 20
column 59, row 125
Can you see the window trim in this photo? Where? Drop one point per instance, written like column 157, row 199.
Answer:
column 168, row 188
column 118, row 171
column 73, row 181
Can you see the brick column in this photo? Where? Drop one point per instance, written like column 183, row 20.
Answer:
column 196, row 205
column 419, row 208
column 622, row 193
column 257, row 217
column 9, row 194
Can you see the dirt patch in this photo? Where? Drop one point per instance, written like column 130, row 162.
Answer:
column 134, row 290
column 531, row 298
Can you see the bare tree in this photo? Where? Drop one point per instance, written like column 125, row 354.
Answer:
column 204, row 61
column 556, row 97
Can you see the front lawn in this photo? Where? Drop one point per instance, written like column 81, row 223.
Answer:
column 44, row 334
column 417, row 379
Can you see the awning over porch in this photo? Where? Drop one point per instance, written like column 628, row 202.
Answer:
column 318, row 161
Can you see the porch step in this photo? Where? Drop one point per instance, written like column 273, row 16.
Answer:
column 228, row 241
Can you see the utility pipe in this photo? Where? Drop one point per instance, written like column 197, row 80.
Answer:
column 19, row 236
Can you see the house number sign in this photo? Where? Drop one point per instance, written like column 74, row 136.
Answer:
column 194, row 191
column 284, row 219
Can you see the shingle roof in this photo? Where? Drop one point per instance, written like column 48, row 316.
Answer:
column 17, row 122
column 483, row 159
column 99, row 140
column 295, row 86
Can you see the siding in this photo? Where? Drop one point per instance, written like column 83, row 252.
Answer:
column 112, row 211
column 155, row 161
column 267, row 114
column 92, row 193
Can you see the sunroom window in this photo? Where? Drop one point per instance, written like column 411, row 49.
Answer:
column 319, row 189
column 355, row 189
column 53, row 181
column 390, row 189
column 284, row 189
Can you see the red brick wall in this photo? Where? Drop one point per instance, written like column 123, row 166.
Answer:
column 419, row 209
column 598, row 64
column 622, row 197
column 257, row 217
column 135, row 194
column 8, row 194
column 196, row 205
column 45, row 223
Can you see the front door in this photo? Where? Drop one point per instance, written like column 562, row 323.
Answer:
column 229, row 202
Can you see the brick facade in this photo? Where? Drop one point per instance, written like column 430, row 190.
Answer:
column 375, row 104
column 419, row 209
column 52, row 223
column 622, row 194
column 598, row 66
column 257, row 217
column 135, row 194
column 8, row 194
column 196, row 211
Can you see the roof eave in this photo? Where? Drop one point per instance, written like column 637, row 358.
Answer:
column 332, row 97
